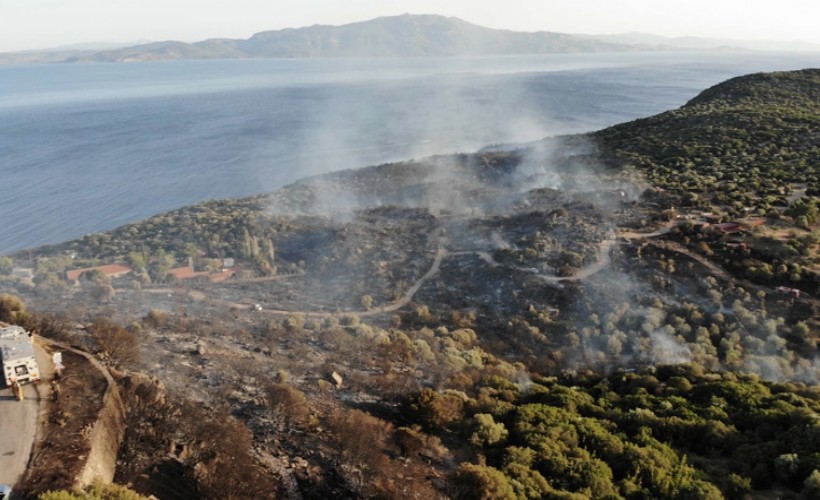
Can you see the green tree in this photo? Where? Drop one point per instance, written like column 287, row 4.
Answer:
column 786, row 467
column 117, row 345
column 137, row 261
column 526, row 481
column 487, row 432
column 811, row 486
column 436, row 411
column 161, row 263
column 288, row 405
column 6, row 265
column 12, row 309
column 479, row 482
column 737, row 487
column 191, row 251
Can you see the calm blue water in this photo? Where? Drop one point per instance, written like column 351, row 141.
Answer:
column 86, row 148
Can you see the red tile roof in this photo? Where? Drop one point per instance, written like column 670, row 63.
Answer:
column 186, row 273
column 730, row 227
column 110, row 270
column 222, row 275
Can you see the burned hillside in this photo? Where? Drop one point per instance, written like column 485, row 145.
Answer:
column 568, row 317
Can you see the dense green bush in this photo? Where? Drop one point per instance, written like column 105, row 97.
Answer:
column 608, row 437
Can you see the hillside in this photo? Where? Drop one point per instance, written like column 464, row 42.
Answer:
column 745, row 148
column 398, row 36
column 630, row 314
column 744, row 143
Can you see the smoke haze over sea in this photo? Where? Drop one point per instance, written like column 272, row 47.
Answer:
column 86, row 148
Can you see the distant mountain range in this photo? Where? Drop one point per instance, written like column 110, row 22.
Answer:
column 697, row 43
column 398, row 36
column 62, row 53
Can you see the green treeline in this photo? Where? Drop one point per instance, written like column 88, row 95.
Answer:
column 742, row 144
column 673, row 431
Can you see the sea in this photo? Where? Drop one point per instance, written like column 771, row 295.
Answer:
column 86, row 148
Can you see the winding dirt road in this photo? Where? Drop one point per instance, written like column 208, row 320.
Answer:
column 411, row 292
column 708, row 264
column 604, row 259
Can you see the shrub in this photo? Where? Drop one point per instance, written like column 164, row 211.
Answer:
column 97, row 491
column 479, row 482
column 118, row 346
column 487, row 432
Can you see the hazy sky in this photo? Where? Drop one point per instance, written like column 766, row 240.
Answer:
column 32, row 24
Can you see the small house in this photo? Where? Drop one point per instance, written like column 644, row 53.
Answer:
column 111, row 271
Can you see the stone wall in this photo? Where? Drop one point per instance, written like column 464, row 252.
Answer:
column 105, row 438
column 108, row 431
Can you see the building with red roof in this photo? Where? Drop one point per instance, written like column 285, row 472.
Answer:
column 188, row 273
column 111, row 270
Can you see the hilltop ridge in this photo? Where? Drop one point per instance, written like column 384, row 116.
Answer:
column 407, row 35
column 397, row 36
column 794, row 88
column 741, row 142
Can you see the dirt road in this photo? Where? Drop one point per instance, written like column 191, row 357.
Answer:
column 19, row 421
column 408, row 296
column 603, row 261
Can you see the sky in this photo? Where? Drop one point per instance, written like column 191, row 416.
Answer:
column 37, row 24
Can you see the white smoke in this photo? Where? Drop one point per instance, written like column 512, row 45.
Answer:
column 666, row 350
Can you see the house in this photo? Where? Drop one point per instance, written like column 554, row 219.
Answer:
column 739, row 226
column 730, row 227
column 793, row 293
column 111, row 271
column 186, row 273
column 24, row 274
column 751, row 222
column 223, row 275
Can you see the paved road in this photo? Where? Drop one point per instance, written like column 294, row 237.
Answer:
column 19, row 421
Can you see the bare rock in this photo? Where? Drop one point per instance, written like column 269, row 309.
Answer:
column 337, row 379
